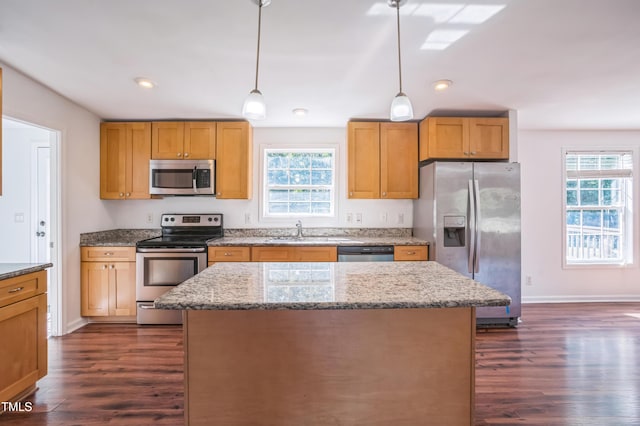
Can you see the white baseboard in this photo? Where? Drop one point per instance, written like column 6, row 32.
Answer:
column 581, row 299
column 74, row 325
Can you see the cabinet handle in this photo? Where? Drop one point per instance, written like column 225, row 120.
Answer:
column 15, row 290
column 226, row 253
column 108, row 253
column 411, row 253
column 179, row 154
column 186, row 154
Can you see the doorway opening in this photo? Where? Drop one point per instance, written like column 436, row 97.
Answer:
column 30, row 205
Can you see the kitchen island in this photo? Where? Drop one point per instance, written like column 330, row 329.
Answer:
column 329, row 343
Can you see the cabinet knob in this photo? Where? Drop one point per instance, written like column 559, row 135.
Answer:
column 108, row 253
column 411, row 253
column 350, row 194
column 112, row 266
column 466, row 153
column 179, row 154
column 384, row 194
column 473, row 153
column 226, row 253
column 186, row 154
column 219, row 194
column 104, row 266
column 121, row 194
column 128, row 194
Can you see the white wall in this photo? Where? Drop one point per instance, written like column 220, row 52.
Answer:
column 15, row 203
column 133, row 214
column 542, row 215
column 78, row 162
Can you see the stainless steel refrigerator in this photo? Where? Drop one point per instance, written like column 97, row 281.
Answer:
column 470, row 214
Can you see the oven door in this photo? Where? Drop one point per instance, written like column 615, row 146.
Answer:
column 158, row 270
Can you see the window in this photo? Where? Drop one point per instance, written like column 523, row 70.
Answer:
column 598, row 207
column 299, row 182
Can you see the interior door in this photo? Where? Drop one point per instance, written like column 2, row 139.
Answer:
column 43, row 202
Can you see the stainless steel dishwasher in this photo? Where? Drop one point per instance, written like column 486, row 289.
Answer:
column 365, row 253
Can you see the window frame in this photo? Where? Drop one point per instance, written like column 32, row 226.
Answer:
column 630, row 222
column 311, row 219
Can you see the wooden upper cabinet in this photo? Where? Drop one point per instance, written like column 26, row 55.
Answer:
column 398, row 160
column 363, row 159
column 125, row 150
column 234, row 160
column 382, row 160
column 178, row 140
column 465, row 138
column 489, row 138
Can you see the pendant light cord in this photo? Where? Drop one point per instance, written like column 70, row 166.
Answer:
column 399, row 60
column 258, row 48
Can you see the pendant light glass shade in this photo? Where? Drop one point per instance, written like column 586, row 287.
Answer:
column 254, row 107
column 401, row 109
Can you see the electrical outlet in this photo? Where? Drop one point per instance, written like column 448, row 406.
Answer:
column 149, row 217
column 359, row 218
column 527, row 280
column 400, row 218
column 349, row 217
column 247, row 218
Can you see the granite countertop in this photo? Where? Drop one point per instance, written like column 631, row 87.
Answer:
column 117, row 237
column 10, row 270
column 261, row 237
column 317, row 285
column 317, row 241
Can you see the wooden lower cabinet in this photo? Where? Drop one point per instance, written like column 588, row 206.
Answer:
column 108, row 282
column 228, row 254
column 294, row 254
column 410, row 252
column 23, row 327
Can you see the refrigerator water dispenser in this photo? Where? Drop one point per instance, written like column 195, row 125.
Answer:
column 455, row 230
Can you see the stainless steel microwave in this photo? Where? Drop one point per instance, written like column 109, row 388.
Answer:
column 182, row 177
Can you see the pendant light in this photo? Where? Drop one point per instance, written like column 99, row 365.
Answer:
column 401, row 109
column 254, row 106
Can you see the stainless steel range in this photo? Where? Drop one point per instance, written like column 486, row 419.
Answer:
column 166, row 261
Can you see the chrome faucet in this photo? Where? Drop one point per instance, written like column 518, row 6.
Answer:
column 299, row 226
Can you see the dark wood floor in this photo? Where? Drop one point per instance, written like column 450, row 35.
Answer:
column 566, row 364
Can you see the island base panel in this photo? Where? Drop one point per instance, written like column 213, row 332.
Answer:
column 293, row 367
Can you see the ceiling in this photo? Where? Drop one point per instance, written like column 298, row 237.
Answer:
column 570, row 64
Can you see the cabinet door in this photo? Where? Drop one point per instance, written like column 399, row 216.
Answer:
column 363, row 160
column 167, row 140
column 113, row 158
column 0, row 131
column 200, row 140
column 122, row 289
column 94, row 289
column 398, row 160
column 315, row 254
column 444, row 137
column 233, row 160
column 489, row 138
column 137, row 160
column 271, row 254
column 23, row 353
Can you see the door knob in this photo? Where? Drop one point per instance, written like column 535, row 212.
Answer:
column 43, row 223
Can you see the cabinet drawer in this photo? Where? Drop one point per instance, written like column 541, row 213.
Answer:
column 316, row 254
column 229, row 254
column 108, row 254
column 410, row 252
column 19, row 288
column 271, row 254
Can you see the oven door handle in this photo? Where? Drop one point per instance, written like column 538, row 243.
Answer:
column 171, row 250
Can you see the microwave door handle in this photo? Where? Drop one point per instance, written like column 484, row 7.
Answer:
column 195, row 174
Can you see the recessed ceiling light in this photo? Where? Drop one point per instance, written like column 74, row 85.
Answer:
column 442, row 85
column 145, row 82
column 300, row 112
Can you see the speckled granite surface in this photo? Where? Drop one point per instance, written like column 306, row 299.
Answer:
column 317, row 241
column 267, row 237
column 10, row 270
column 118, row 237
column 356, row 285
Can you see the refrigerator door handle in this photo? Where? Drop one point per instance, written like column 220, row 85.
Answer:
column 472, row 228
column 478, row 233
